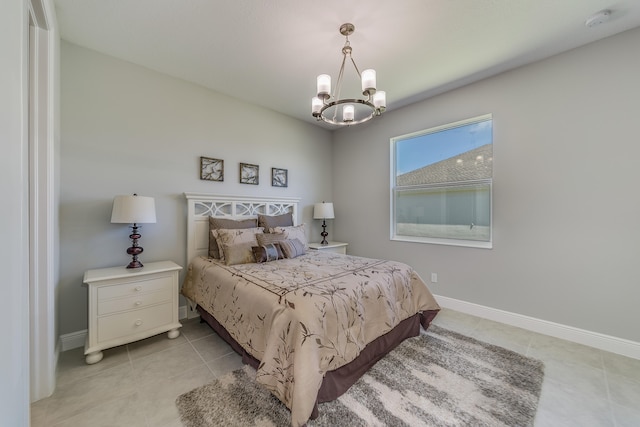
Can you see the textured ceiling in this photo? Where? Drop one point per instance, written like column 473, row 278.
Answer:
column 270, row 52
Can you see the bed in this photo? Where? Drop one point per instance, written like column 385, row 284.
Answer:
column 312, row 323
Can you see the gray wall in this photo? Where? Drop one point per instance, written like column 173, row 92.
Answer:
column 566, row 200
column 128, row 129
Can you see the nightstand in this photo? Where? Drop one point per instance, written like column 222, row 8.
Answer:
column 127, row 305
column 336, row 247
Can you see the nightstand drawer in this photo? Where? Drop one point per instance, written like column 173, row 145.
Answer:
column 336, row 250
column 120, row 325
column 135, row 287
column 114, row 305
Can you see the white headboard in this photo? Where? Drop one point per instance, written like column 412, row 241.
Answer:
column 201, row 206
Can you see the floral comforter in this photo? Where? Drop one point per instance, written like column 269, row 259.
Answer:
column 305, row 316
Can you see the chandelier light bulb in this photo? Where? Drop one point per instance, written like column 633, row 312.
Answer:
column 348, row 112
column 324, row 86
column 368, row 81
column 380, row 99
column 316, row 105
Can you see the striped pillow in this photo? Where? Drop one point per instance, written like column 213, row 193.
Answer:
column 268, row 252
column 292, row 248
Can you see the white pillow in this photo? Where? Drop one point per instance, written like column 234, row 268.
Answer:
column 293, row 232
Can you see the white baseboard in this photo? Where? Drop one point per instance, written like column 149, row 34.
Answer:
column 191, row 309
column 76, row 339
column 73, row 340
column 592, row 339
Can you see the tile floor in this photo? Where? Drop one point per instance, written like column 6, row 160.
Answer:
column 136, row 385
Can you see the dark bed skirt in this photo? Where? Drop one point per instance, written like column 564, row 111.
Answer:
column 338, row 381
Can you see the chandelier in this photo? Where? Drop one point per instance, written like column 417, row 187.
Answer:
column 330, row 108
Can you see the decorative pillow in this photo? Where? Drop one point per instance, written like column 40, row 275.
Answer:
column 292, row 248
column 294, row 232
column 239, row 253
column 265, row 239
column 268, row 252
column 235, row 236
column 217, row 223
column 273, row 221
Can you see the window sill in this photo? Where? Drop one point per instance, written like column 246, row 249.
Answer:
column 447, row 242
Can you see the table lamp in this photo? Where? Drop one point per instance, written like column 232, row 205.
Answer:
column 134, row 210
column 323, row 211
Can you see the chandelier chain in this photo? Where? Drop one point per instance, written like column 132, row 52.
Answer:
column 339, row 85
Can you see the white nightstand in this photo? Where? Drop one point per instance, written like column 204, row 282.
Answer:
column 336, row 247
column 127, row 305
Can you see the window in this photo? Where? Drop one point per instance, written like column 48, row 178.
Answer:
column 441, row 184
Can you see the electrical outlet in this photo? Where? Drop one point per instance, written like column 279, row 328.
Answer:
column 434, row 277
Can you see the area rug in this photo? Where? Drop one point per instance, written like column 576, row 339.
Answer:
column 439, row 378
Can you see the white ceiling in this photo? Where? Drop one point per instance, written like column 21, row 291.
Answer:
column 269, row 52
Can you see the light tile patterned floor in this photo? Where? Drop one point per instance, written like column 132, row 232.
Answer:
column 136, row 385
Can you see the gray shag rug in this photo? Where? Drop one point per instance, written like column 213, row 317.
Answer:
column 439, row 378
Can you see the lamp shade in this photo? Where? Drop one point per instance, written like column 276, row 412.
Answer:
column 323, row 211
column 133, row 209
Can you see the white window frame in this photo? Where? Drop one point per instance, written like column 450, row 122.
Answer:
column 394, row 189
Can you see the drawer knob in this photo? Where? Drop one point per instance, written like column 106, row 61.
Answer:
column 138, row 288
column 138, row 303
column 138, row 322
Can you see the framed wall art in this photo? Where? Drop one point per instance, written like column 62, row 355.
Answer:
column 279, row 177
column 211, row 169
column 249, row 174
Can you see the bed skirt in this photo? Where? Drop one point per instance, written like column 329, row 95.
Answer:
column 338, row 381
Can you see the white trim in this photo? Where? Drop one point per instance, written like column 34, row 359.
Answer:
column 73, row 340
column 77, row 339
column 190, row 309
column 593, row 339
column 42, row 199
column 474, row 244
column 447, row 126
column 182, row 312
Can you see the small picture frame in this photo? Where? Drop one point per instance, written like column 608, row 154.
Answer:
column 279, row 177
column 249, row 174
column 211, row 169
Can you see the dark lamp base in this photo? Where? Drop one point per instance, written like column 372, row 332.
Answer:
column 134, row 250
column 324, row 233
column 135, row 264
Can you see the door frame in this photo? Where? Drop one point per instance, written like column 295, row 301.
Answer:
column 43, row 195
